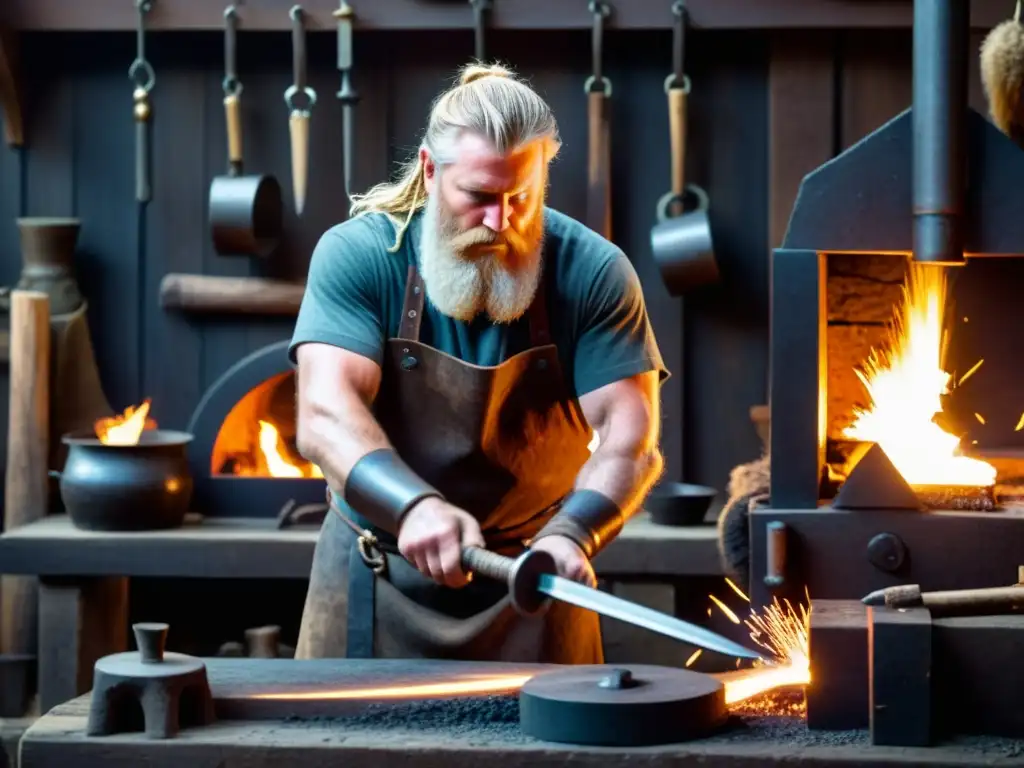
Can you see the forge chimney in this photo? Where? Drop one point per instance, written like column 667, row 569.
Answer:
column 941, row 34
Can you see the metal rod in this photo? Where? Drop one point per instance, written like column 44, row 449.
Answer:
column 941, row 32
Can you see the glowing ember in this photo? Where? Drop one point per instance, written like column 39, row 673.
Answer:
column 785, row 634
column 125, row 428
column 905, row 383
column 457, row 687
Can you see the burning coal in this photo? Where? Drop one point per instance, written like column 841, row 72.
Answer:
column 905, row 382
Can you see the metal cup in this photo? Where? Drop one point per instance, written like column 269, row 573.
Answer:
column 245, row 215
column 682, row 245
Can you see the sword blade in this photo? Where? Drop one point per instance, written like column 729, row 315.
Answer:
column 616, row 608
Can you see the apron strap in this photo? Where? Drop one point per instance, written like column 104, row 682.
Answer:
column 412, row 306
column 537, row 316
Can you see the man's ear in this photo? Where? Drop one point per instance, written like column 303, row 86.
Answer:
column 429, row 170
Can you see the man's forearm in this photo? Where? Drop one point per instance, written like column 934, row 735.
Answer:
column 610, row 488
column 359, row 462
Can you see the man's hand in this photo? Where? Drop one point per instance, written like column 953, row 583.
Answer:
column 432, row 537
column 572, row 562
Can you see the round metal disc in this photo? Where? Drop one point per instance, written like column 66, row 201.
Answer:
column 130, row 665
column 621, row 706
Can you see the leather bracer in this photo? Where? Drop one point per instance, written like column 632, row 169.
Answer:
column 587, row 517
column 382, row 488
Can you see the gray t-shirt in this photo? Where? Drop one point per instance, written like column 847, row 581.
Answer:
column 596, row 309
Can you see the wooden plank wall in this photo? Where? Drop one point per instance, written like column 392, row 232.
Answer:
column 80, row 162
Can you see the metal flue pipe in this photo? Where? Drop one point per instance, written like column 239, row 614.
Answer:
column 941, row 42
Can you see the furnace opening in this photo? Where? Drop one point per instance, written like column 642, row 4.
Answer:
column 257, row 437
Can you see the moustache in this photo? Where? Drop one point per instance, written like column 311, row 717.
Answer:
column 482, row 236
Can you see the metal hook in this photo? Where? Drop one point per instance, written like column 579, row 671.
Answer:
column 295, row 12
column 230, row 12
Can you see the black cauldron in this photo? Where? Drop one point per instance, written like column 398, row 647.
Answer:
column 139, row 487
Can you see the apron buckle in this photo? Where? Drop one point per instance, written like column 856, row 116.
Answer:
column 370, row 553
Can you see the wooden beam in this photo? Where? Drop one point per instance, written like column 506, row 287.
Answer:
column 10, row 90
column 801, row 118
column 85, row 15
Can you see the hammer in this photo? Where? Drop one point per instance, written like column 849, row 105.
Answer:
column 992, row 601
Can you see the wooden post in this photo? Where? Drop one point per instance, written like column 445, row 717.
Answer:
column 27, row 451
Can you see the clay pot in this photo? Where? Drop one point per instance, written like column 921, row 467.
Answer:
column 47, row 253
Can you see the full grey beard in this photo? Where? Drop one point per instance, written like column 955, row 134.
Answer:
column 462, row 286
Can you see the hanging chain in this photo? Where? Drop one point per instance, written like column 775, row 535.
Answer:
column 142, row 76
column 678, row 78
column 597, row 80
column 141, row 72
column 232, row 85
column 299, row 85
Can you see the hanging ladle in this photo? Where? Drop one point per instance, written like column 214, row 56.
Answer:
column 681, row 240
column 245, row 211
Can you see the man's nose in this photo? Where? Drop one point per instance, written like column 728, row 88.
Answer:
column 496, row 215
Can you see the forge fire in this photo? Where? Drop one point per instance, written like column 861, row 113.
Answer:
column 906, row 381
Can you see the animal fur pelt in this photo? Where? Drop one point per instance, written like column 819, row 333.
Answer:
column 748, row 484
column 1002, row 74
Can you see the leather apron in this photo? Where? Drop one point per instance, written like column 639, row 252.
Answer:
column 505, row 443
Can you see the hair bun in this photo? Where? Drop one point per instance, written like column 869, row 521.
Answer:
column 474, row 72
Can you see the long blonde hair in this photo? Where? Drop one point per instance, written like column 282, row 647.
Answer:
column 489, row 100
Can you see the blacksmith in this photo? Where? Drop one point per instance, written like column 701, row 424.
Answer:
column 458, row 345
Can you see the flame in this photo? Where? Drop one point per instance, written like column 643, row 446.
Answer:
column 125, row 428
column 474, row 685
column 784, row 632
column 272, row 448
column 905, row 383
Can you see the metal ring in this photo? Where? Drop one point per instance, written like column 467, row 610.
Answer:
column 230, row 12
column 293, row 91
column 599, row 7
column 671, row 198
column 145, row 68
column 606, row 85
column 295, row 12
column 671, row 83
column 232, row 86
column 678, row 8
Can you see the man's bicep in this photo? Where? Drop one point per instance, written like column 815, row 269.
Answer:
column 327, row 373
column 616, row 340
column 343, row 302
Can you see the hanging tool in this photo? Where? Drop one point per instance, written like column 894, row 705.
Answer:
column 245, row 211
column 298, row 120
column 480, row 9
column 1002, row 75
column 599, row 90
column 532, row 580
column 346, row 95
column 681, row 240
column 142, row 75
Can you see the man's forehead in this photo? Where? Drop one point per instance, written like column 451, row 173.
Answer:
column 479, row 162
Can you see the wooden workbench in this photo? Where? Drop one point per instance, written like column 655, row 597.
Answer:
column 83, row 596
column 57, row 740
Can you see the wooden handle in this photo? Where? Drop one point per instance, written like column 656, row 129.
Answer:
column 599, row 217
column 979, row 602
column 233, row 122
column 677, row 136
column 230, row 295
column 486, row 563
column 298, row 126
column 26, row 495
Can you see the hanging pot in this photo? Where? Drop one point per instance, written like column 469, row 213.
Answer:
column 245, row 211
